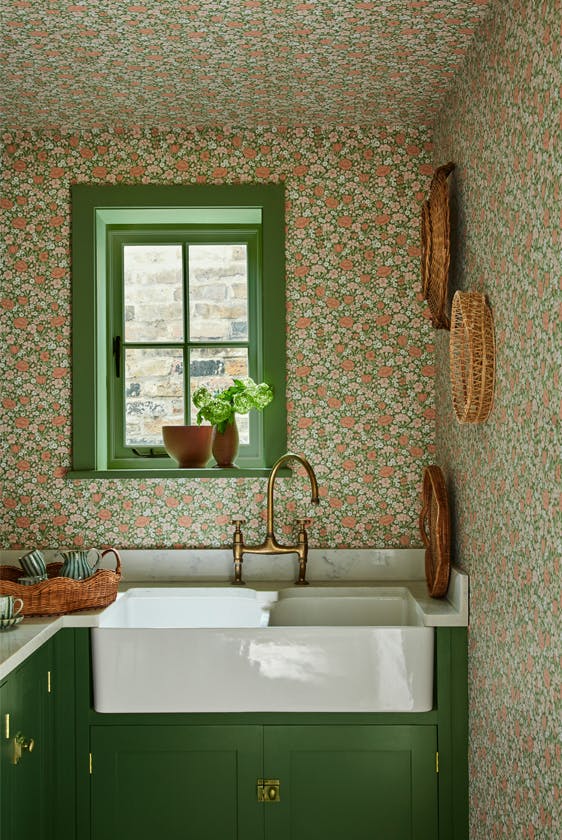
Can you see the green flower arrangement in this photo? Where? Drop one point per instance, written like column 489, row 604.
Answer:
column 220, row 407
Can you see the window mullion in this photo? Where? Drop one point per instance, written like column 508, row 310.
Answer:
column 186, row 339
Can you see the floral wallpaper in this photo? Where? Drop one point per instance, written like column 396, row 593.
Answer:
column 212, row 62
column 359, row 344
column 501, row 125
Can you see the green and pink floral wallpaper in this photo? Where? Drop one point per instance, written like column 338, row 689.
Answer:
column 501, row 125
column 359, row 344
column 180, row 63
column 368, row 383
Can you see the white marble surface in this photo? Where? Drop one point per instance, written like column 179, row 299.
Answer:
column 216, row 564
column 180, row 568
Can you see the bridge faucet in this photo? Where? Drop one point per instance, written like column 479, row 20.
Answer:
column 270, row 545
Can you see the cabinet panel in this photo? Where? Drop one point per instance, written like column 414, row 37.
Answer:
column 26, row 791
column 4, row 753
column 357, row 782
column 176, row 782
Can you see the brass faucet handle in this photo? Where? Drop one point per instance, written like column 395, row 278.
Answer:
column 238, row 521
column 304, row 523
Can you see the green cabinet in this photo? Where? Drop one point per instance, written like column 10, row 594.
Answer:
column 357, row 782
column 176, row 782
column 26, row 749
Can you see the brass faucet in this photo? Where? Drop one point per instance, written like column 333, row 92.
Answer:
column 270, row 544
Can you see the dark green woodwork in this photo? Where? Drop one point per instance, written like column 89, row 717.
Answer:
column 90, row 328
column 63, row 761
column 452, row 703
column 26, row 788
column 357, row 782
column 176, row 782
column 213, row 472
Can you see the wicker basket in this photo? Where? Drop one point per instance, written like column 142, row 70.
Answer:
column 437, row 228
column 435, row 525
column 59, row 595
column 425, row 246
column 472, row 357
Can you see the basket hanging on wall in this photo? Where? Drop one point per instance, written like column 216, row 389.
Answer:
column 435, row 247
column 435, row 530
column 472, row 357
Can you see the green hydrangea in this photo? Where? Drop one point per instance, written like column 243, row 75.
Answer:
column 263, row 395
column 202, row 397
column 220, row 408
column 243, row 403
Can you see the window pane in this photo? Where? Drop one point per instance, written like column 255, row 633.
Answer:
column 215, row 368
column 153, row 292
column 218, row 292
column 153, row 394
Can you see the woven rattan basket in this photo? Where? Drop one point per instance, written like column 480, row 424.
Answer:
column 425, row 246
column 435, row 531
column 435, row 247
column 472, row 357
column 59, row 595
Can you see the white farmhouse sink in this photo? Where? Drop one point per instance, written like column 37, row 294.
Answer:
column 224, row 650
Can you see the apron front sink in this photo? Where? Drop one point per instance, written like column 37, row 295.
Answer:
column 225, row 650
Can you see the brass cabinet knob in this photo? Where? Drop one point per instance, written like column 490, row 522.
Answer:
column 28, row 745
column 21, row 744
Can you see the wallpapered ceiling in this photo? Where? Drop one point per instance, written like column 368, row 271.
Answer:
column 359, row 344
column 216, row 62
column 502, row 127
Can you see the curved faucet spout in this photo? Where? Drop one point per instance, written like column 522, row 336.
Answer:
column 289, row 456
column 270, row 544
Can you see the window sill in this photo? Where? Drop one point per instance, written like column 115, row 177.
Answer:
column 207, row 472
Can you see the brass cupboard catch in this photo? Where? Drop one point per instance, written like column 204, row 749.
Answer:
column 19, row 745
column 269, row 790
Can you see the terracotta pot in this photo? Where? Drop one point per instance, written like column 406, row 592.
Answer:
column 189, row 445
column 225, row 445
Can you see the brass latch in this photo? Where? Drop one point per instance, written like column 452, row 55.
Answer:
column 19, row 744
column 269, row 790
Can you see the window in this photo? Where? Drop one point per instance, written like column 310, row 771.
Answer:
column 173, row 287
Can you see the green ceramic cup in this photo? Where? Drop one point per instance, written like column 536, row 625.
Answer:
column 33, row 563
column 10, row 606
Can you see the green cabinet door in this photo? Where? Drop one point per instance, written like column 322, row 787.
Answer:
column 4, row 793
column 352, row 782
column 26, row 785
column 176, row 782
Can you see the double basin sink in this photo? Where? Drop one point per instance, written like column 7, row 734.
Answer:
column 206, row 649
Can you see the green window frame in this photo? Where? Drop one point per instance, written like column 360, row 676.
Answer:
column 104, row 220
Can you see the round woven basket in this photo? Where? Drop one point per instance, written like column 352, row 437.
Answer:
column 435, row 228
column 425, row 246
column 472, row 357
column 435, row 527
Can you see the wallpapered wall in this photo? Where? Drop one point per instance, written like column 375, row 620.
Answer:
column 360, row 352
column 501, row 126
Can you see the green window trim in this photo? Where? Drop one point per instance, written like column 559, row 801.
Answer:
column 102, row 215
